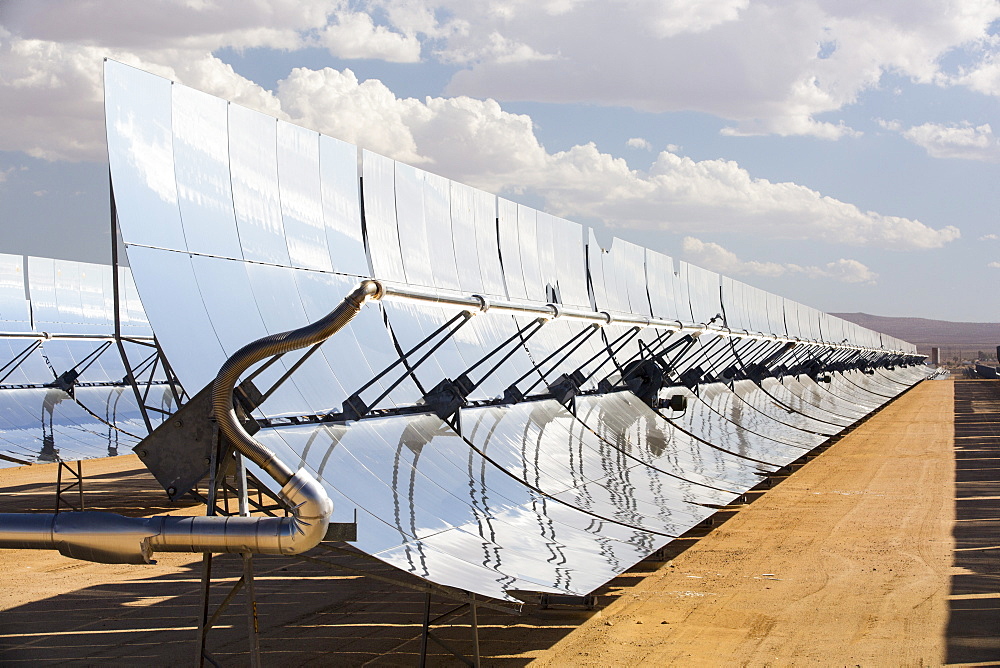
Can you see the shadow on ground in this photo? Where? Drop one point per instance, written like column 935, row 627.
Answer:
column 308, row 614
column 974, row 621
column 132, row 492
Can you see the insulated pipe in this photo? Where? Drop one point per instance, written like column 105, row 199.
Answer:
column 551, row 311
column 56, row 336
column 114, row 539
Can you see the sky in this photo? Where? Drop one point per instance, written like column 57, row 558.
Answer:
column 837, row 152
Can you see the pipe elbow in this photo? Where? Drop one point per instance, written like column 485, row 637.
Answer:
column 370, row 289
column 311, row 510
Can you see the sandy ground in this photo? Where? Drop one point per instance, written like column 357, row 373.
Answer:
column 852, row 560
column 847, row 562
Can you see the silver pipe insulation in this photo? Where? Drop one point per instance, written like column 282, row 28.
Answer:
column 552, row 311
column 115, row 539
column 56, row 336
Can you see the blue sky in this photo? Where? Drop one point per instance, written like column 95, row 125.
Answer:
column 842, row 154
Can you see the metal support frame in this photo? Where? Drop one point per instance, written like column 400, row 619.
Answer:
column 569, row 384
column 757, row 371
column 632, row 368
column 521, row 337
column 64, row 490
column 426, row 635
column 722, row 362
column 571, row 345
column 223, row 459
column 752, row 350
column 468, row 603
column 458, row 595
column 10, row 367
column 256, row 496
column 355, row 408
column 66, row 381
column 692, row 356
column 450, row 395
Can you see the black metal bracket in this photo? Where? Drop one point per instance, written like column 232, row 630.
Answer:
column 66, row 381
column 566, row 387
column 644, row 378
column 448, row 396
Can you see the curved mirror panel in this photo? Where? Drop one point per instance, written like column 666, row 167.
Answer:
column 438, row 231
column 468, row 263
column 15, row 314
column 301, row 197
column 510, row 249
column 338, row 163
column 140, row 148
column 256, row 200
column 380, row 217
column 201, row 165
column 413, row 237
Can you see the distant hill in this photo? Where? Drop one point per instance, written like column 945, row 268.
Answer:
column 951, row 337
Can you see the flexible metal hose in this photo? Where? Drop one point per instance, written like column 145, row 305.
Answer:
column 269, row 346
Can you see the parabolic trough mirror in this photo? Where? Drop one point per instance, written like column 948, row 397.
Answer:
column 504, row 408
column 65, row 358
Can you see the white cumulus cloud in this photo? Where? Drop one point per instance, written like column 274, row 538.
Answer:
column 982, row 77
column 639, row 142
column 675, row 193
column 713, row 256
column 355, row 35
column 50, row 107
column 994, row 265
column 963, row 140
column 495, row 48
column 771, row 67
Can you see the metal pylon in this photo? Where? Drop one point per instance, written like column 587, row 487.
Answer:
column 426, row 635
column 64, row 490
column 221, row 458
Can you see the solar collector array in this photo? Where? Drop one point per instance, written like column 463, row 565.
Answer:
column 238, row 225
column 57, row 316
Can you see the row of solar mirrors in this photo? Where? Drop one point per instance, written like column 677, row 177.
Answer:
column 64, row 394
column 615, row 400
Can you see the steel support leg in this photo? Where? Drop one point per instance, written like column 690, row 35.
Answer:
column 246, row 581
column 253, row 635
column 475, row 628
column 77, row 483
column 206, row 560
column 206, row 583
column 426, row 630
